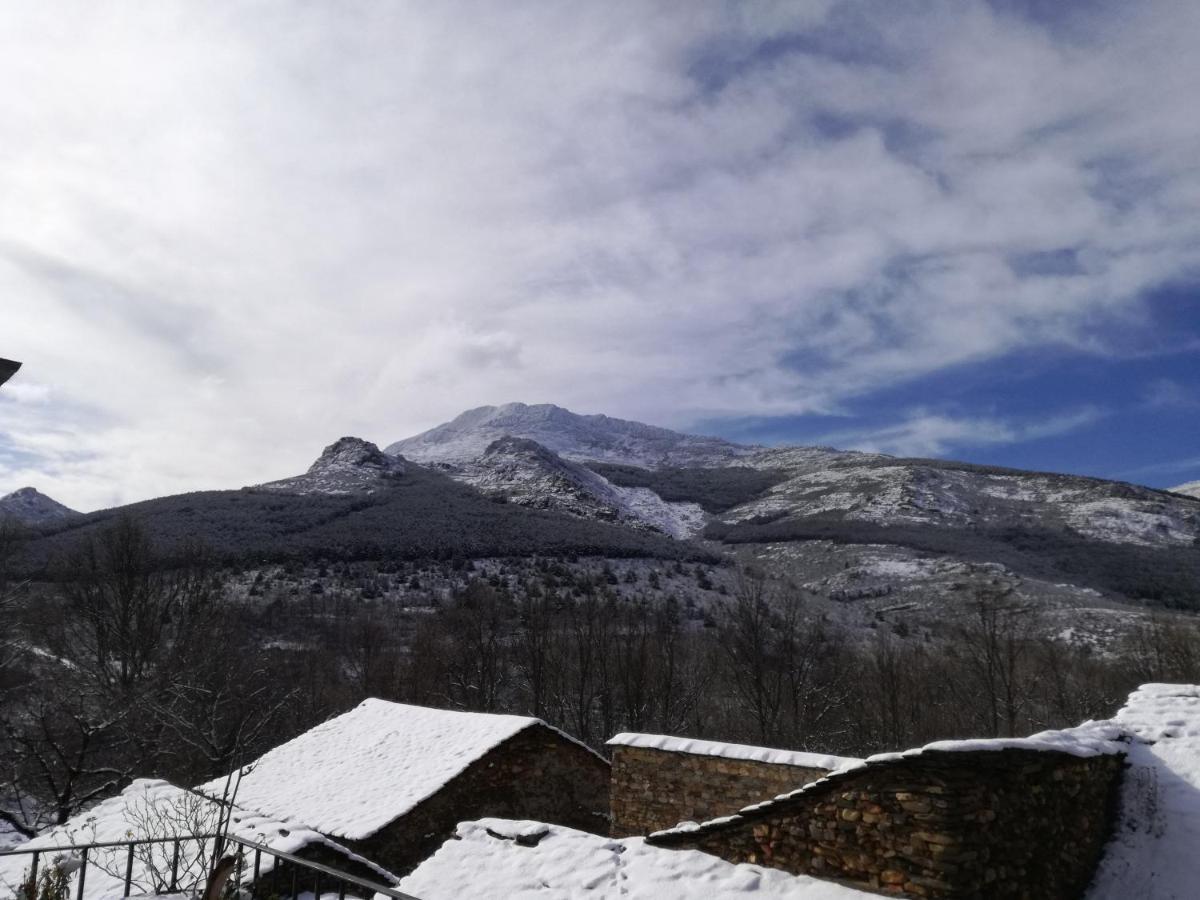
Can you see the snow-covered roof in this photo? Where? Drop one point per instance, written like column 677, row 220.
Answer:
column 698, row 747
column 352, row 775
column 566, row 863
column 150, row 808
column 1088, row 739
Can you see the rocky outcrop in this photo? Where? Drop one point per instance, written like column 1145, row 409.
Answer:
column 349, row 465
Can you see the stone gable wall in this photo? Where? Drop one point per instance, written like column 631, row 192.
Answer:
column 537, row 774
column 657, row 789
column 989, row 824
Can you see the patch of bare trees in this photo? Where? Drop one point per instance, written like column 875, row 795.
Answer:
column 140, row 665
column 134, row 665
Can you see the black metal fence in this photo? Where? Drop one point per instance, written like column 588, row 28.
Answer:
column 260, row 871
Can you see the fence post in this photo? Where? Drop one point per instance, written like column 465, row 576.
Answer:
column 82, row 875
column 33, row 870
column 175, row 867
column 128, row 870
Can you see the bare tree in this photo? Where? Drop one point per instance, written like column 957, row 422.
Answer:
column 997, row 642
column 129, row 608
column 11, row 588
column 62, row 752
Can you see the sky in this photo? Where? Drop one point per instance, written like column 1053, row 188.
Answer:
column 232, row 233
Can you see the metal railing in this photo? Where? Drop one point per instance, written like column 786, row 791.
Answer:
column 293, row 873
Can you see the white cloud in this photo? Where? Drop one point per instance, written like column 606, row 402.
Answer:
column 931, row 434
column 231, row 233
column 1166, row 393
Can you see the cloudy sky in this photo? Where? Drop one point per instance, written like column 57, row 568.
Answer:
column 232, row 232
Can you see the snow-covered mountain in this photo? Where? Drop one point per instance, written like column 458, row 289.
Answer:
column 570, row 435
column 31, row 507
column 350, row 465
column 885, row 491
column 523, row 471
column 809, row 483
column 1191, row 489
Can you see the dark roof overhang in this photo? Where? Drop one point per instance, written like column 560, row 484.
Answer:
column 8, row 369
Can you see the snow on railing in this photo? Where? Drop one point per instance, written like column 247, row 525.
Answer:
column 284, row 875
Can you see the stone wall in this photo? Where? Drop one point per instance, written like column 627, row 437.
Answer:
column 657, row 789
column 1012, row 823
column 537, row 774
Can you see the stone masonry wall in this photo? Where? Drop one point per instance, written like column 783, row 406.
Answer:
column 657, row 789
column 995, row 824
column 537, row 774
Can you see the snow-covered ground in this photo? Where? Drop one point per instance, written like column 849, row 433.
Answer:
column 1152, row 855
column 486, row 861
column 679, row 520
column 1120, row 520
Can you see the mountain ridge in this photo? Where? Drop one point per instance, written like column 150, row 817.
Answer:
column 573, row 436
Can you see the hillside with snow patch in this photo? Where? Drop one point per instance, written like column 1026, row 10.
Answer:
column 1191, row 489
column 524, row 472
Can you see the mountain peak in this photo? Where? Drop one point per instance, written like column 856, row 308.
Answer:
column 31, row 507
column 570, row 435
column 347, row 466
column 353, row 452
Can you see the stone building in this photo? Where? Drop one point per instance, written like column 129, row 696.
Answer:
column 391, row 781
column 659, row 781
column 972, row 819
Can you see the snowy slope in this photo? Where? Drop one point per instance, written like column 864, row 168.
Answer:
column 485, row 861
column 350, row 465
column 568, row 434
column 880, row 490
column 525, row 472
column 31, row 507
column 1192, row 489
column 354, row 774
